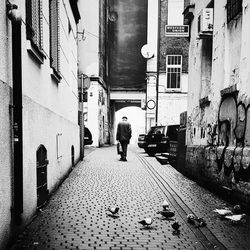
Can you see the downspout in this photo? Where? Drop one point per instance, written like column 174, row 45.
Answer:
column 158, row 61
column 17, row 120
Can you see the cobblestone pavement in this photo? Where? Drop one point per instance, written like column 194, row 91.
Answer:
column 76, row 217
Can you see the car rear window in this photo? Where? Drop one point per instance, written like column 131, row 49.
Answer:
column 156, row 130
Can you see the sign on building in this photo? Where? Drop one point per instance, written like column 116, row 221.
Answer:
column 177, row 30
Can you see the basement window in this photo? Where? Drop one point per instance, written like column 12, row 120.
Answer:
column 234, row 8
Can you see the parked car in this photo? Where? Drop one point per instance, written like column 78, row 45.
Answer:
column 141, row 142
column 87, row 137
column 159, row 137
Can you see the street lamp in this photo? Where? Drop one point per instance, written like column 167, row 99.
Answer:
column 148, row 52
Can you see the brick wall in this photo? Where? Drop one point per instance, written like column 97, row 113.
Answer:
column 171, row 45
column 220, row 168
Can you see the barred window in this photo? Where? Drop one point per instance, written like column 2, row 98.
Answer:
column 174, row 68
column 54, row 35
column 234, row 7
column 34, row 22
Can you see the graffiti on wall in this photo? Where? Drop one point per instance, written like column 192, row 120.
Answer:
column 190, row 124
column 233, row 152
column 211, row 134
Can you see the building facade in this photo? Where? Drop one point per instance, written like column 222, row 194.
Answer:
column 167, row 67
column 39, row 111
column 92, row 63
column 218, row 98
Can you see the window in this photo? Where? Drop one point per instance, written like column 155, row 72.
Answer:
column 54, row 36
column 174, row 67
column 34, row 23
column 234, row 7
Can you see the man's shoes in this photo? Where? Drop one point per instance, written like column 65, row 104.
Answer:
column 123, row 159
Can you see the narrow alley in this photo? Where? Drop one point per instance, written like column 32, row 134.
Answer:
column 75, row 217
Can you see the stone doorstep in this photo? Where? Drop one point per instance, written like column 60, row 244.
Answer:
column 162, row 159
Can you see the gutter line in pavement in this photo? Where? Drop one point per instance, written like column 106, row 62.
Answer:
column 204, row 235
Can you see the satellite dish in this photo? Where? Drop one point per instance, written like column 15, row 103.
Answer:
column 147, row 51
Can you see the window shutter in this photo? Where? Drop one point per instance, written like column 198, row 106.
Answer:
column 34, row 22
column 54, row 35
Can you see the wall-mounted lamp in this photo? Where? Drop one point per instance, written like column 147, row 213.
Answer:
column 13, row 13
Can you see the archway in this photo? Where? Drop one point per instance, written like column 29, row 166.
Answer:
column 72, row 156
column 41, row 175
column 136, row 117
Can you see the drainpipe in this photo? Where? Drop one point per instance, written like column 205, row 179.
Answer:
column 158, row 61
column 15, row 18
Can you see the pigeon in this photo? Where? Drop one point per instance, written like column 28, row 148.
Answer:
column 237, row 209
column 223, row 212
column 191, row 218
column 194, row 220
column 176, row 227
column 201, row 222
column 236, row 218
column 147, row 221
column 166, row 213
column 165, row 205
column 113, row 210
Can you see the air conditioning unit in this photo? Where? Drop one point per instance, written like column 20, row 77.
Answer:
column 205, row 22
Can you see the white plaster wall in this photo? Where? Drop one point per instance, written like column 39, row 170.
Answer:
column 245, row 49
column 5, row 131
column 152, row 34
column 170, row 106
column 49, row 107
column 6, row 166
column 38, row 84
column 93, row 110
column 40, row 127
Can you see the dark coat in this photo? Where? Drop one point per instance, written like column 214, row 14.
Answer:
column 124, row 132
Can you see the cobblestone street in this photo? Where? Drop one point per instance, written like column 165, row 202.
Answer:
column 76, row 217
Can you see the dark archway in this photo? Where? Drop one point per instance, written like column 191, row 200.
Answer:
column 41, row 175
column 72, row 156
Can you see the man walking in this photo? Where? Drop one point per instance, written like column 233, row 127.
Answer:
column 123, row 135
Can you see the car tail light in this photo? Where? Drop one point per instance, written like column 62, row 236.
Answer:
column 164, row 139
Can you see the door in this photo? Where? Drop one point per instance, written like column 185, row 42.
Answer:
column 41, row 174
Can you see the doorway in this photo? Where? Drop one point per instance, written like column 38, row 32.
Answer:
column 41, row 176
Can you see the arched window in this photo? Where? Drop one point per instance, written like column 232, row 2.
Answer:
column 41, row 175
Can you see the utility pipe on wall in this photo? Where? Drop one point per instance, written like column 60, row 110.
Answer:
column 17, row 119
column 158, row 62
